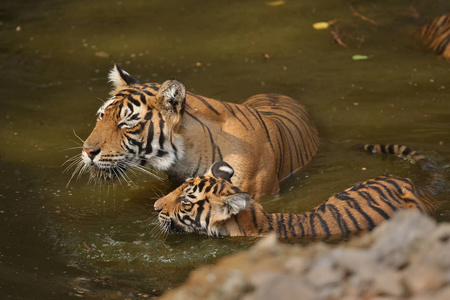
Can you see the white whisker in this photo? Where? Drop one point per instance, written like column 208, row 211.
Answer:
column 111, row 171
column 76, row 158
column 161, row 230
column 73, row 164
column 71, row 148
column 144, row 170
column 72, row 158
column 127, row 178
column 161, row 192
column 75, row 161
column 77, row 136
column 120, row 173
column 82, row 170
column 77, row 168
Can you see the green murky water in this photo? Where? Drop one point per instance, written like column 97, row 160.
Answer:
column 93, row 242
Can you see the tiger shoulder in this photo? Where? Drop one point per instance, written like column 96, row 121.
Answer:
column 164, row 127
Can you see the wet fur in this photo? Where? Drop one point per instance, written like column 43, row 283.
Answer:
column 266, row 138
column 211, row 204
column 436, row 35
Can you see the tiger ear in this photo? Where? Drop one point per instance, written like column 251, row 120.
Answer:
column 120, row 79
column 222, row 170
column 237, row 202
column 171, row 96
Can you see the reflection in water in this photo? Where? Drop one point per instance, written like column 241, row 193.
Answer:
column 60, row 242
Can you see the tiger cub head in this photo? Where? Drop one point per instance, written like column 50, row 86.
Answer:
column 136, row 127
column 202, row 204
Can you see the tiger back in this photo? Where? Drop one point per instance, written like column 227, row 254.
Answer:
column 162, row 126
column 436, row 35
column 211, row 204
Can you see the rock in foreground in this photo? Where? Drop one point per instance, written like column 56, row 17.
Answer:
column 405, row 258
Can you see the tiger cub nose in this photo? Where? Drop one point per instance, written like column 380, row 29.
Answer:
column 91, row 152
column 159, row 205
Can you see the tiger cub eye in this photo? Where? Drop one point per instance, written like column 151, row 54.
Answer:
column 186, row 204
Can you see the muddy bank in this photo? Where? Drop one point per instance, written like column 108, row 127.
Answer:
column 405, row 258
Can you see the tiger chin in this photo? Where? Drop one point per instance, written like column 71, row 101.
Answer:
column 212, row 205
column 166, row 128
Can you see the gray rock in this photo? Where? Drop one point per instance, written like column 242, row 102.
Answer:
column 354, row 261
column 233, row 287
column 323, row 273
column 388, row 283
column 285, row 287
column 407, row 257
column 443, row 294
column 422, row 278
column 296, row 265
column 437, row 249
column 403, row 234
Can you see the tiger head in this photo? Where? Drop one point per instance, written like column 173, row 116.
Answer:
column 202, row 204
column 136, row 127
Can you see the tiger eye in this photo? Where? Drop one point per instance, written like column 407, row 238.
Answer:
column 186, row 204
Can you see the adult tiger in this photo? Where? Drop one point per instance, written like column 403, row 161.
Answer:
column 211, row 204
column 436, row 35
column 266, row 138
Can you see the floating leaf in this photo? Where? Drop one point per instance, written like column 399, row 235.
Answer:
column 102, row 54
column 275, row 3
column 321, row 25
column 359, row 57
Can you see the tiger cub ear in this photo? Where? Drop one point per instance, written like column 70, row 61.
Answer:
column 222, row 170
column 120, row 79
column 237, row 202
column 171, row 96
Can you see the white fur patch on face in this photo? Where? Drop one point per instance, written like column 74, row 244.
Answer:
column 102, row 108
column 165, row 162
column 86, row 160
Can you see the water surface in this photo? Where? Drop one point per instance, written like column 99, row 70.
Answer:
column 59, row 242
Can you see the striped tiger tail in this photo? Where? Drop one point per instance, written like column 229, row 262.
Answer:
column 223, row 209
column 435, row 179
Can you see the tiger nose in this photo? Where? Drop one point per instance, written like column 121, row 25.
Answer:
column 159, row 205
column 158, row 208
column 91, row 152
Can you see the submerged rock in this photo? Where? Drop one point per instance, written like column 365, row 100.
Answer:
column 407, row 257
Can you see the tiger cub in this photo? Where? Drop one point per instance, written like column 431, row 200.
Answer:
column 212, row 205
column 165, row 127
column 436, row 35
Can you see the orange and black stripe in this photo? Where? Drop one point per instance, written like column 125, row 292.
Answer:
column 361, row 207
column 436, row 35
column 295, row 137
